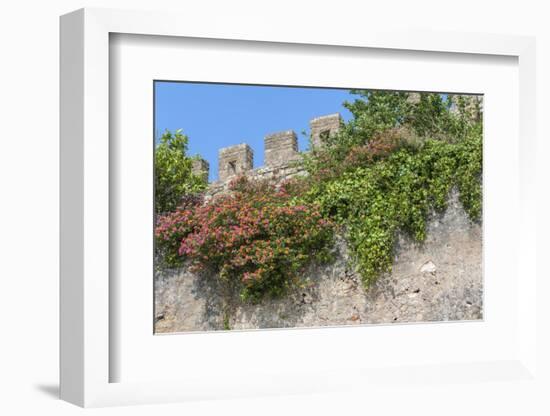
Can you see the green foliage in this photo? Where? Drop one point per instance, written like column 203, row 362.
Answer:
column 392, row 164
column 426, row 114
column 375, row 201
column 373, row 112
column 408, row 117
column 226, row 325
column 468, row 174
column 173, row 176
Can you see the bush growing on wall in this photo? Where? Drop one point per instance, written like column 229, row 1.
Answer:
column 393, row 163
column 375, row 201
column 255, row 239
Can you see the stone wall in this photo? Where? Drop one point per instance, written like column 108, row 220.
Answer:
column 324, row 126
column 201, row 168
column 273, row 174
column 440, row 280
column 234, row 160
column 280, row 155
column 280, row 148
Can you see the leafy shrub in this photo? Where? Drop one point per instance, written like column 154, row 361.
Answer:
column 406, row 118
column 173, row 175
column 375, row 200
column 392, row 164
column 255, row 238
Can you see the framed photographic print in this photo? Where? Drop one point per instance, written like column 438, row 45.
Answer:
column 372, row 216
column 281, row 213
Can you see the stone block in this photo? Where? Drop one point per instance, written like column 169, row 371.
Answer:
column 323, row 127
column 280, row 148
column 234, row 160
column 200, row 167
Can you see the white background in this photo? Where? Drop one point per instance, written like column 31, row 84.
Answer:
column 29, row 217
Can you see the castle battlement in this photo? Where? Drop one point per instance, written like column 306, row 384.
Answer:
column 324, row 127
column 234, row 160
column 280, row 150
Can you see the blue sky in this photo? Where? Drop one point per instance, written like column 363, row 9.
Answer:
column 220, row 115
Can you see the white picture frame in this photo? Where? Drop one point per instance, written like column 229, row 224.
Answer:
column 86, row 356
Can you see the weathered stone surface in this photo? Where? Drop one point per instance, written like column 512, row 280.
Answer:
column 234, row 160
column 333, row 294
column 414, row 98
column 472, row 105
column 272, row 174
column 324, row 126
column 428, row 267
column 280, row 148
column 201, row 168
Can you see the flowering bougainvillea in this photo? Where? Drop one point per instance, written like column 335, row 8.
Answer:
column 255, row 238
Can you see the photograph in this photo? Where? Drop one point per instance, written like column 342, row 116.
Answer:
column 304, row 207
column 268, row 208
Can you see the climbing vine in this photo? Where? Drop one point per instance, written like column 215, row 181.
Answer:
column 391, row 165
column 373, row 202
